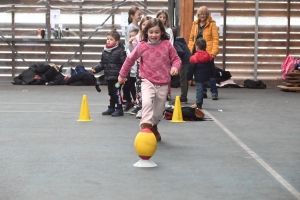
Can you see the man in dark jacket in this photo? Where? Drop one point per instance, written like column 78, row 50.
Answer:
column 184, row 53
column 202, row 66
column 111, row 62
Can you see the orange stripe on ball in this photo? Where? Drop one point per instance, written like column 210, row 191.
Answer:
column 146, row 130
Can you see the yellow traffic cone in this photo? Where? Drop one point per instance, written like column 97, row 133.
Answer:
column 177, row 112
column 84, row 111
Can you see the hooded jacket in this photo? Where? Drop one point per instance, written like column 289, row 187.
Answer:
column 202, row 66
column 210, row 35
column 111, row 62
column 182, row 50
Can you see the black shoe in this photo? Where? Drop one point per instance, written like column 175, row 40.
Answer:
column 135, row 111
column 117, row 113
column 184, row 100
column 127, row 106
column 109, row 111
column 214, row 96
column 97, row 87
column 199, row 105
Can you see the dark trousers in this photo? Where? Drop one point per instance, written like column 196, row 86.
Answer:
column 183, row 81
column 212, row 85
column 129, row 91
column 114, row 94
column 138, row 87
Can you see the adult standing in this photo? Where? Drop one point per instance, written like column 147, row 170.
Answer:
column 205, row 27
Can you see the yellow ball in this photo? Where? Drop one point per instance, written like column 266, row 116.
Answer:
column 145, row 144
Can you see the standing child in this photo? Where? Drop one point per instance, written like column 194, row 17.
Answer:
column 137, row 111
column 159, row 61
column 134, row 17
column 111, row 62
column 184, row 53
column 164, row 17
column 202, row 66
column 129, row 91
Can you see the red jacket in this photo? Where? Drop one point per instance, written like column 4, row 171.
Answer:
column 201, row 56
column 202, row 67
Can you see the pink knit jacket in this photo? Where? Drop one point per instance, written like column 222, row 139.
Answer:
column 156, row 61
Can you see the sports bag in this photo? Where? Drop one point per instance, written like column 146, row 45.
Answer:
column 188, row 114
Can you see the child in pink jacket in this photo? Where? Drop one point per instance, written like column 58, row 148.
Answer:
column 159, row 61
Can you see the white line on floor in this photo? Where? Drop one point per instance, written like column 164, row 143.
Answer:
column 257, row 158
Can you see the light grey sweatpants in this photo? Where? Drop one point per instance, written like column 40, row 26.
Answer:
column 153, row 102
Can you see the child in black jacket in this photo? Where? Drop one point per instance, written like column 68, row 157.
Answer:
column 184, row 53
column 111, row 62
column 203, row 68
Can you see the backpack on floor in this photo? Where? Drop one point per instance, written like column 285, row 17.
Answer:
column 188, row 114
column 254, row 84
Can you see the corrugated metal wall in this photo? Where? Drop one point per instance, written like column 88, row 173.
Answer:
column 278, row 33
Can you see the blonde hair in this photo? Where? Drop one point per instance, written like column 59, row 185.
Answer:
column 204, row 10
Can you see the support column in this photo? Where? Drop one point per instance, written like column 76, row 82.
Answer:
column 256, row 40
column 81, row 33
column 13, row 63
column 288, row 29
column 48, row 27
column 224, row 34
column 186, row 18
column 171, row 6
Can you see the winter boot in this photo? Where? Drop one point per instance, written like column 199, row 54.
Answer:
column 156, row 133
column 214, row 96
column 127, row 106
column 109, row 111
column 117, row 113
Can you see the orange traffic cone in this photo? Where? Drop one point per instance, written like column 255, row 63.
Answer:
column 177, row 112
column 84, row 111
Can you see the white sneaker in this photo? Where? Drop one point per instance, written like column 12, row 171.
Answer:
column 139, row 114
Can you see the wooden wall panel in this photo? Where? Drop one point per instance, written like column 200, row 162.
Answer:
column 186, row 18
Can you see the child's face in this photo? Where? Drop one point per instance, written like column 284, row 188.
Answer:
column 163, row 18
column 137, row 16
column 111, row 41
column 144, row 24
column 154, row 34
column 132, row 34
